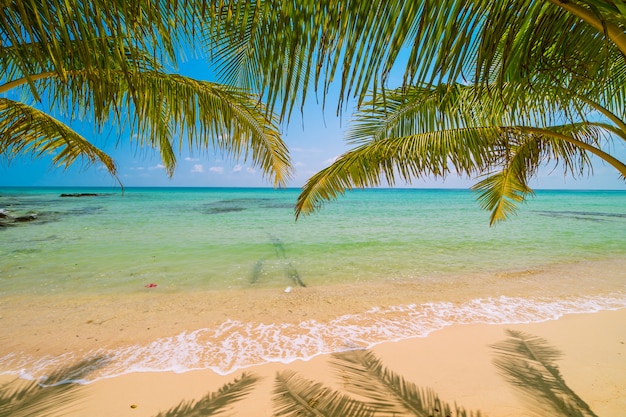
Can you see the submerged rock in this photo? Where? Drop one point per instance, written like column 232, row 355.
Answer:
column 80, row 195
column 27, row 218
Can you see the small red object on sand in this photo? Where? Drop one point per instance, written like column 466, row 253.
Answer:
column 151, row 285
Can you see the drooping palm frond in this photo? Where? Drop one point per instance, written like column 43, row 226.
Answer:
column 479, row 41
column 160, row 108
column 215, row 403
column 523, row 152
column 296, row 44
column 464, row 151
column 25, row 130
column 529, row 364
column 157, row 27
column 103, row 60
column 390, row 394
column 46, row 396
column 471, row 130
column 296, row 396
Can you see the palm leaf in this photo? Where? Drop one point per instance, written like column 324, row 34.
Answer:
column 25, row 130
column 145, row 24
column 528, row 363
column 296, row 396
column 162, row 107
column 463, row 151
column 418, row 131
column 215, row 403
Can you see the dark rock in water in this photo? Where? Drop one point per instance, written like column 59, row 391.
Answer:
column 27, row 218
column 80, row 195
column 3, row 214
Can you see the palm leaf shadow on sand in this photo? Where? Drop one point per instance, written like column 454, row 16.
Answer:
column 42, row 397
column 384, row 393
column 215, row 403
column 296, row 396
column 528, row 363
column 363, row 374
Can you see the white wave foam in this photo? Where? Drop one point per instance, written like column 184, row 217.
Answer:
column 235, row 345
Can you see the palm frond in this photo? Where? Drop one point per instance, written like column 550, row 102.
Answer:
column 211, row 116
column 143, row 23
column 297, row 42
column 475, row 41
column 215, row 403
column 25, row 130
column 46, row 396
column 528, row 363
column 500, row 193
column 296, row 396
column 364, row 374
column 160, row 108
column 464, row 151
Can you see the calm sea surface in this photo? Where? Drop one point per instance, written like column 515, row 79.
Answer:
column 186, row 240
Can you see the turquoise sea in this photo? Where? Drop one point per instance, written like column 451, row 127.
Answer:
column 189, row 240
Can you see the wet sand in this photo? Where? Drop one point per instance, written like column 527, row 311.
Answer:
column 455, row 362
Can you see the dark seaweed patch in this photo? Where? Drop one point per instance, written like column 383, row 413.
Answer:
column 220, row 210
column 240, row 204
column 582, row 215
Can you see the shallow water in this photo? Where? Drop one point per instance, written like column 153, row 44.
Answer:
column 563, row 253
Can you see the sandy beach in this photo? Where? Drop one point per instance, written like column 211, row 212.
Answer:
column 162, row 322
column 456, row 362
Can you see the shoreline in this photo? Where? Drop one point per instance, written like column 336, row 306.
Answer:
column 154, row 330
column 455, row 362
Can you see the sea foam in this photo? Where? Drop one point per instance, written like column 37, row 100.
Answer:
column 236, row 345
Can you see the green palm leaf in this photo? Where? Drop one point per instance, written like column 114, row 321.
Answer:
column 435, row 153
column 161, row 107
column 102, row 60
column 296, row 396
column 25, row 130
column 416, row 132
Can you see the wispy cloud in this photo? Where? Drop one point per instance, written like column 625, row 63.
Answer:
column 251, row 170
column 218, row 170
column 331, row 160
column 157, row 166
column 197, row 168
column 190, row 159
column 237, row 168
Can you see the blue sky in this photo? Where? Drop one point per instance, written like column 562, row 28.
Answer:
column 314, row 139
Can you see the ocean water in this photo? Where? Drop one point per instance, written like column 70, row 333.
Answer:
column 189, row 240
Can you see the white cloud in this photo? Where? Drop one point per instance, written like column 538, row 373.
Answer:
column 331, row 160
column 218, row 170
column 251, row 170
column 197, row 168
column 190, row 159
column 298, row 164
column 237, row 168
column 157, row 166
